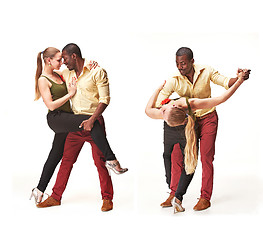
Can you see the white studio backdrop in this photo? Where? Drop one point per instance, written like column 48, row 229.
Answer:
column 136, row 43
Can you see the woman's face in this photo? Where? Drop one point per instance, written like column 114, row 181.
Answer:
column 165, row 110
column 56, row 61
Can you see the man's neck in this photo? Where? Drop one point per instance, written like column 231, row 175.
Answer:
column 190, row 76
column 79, row 66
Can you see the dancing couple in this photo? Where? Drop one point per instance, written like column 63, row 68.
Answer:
column 188, row 120
column 87, row 86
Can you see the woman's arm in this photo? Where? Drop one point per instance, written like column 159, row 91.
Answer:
column 205, row 103
column 150, row 109
column 44, row 88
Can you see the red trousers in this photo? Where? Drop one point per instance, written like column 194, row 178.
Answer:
column 207, row 131
column 73, row 145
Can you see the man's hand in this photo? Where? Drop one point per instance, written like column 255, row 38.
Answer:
column 246, row 73
column 87, row 124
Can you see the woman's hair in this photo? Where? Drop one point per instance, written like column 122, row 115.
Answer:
column 176, row 117
column 49, row 52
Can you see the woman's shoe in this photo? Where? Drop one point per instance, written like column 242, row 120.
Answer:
column 37, row 194
column 178, row 206
column 115, row 167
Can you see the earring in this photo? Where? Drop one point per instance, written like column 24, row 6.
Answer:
column 49, row 64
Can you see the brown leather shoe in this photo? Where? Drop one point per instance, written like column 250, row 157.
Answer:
column 107, row 205
column 202, row 204
column 49, row 202
column 168, row 202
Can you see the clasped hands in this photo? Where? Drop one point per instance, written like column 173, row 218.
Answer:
column 245, row 73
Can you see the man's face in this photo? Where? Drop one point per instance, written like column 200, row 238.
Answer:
column 69, row 61
column 184, row 65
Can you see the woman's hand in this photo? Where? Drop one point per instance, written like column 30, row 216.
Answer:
column 161, row 86
column 72, row 87
column 93, row 64
column 243, row 74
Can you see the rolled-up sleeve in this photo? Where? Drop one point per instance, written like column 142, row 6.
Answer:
column 219, row 79
column 102, row 83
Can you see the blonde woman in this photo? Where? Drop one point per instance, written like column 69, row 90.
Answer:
column 50, row 85
column 178, row 115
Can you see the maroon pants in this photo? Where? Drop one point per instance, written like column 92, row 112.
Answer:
column 207, row 131
column 73, row 145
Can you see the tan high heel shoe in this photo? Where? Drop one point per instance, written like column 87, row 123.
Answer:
column 37, row 194
column 115, row 167
column 178, row 206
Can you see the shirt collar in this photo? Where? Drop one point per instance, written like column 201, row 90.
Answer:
column 86, row 65
column 198, row 69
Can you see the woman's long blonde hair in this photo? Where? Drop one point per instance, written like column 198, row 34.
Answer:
column 49, row 52
column 176, row 117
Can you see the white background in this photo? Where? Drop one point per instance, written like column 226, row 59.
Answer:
column 135, row 41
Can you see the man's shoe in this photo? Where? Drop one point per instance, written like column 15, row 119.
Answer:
column 168, row 202
column 49, row 202
column 107, row 205
column 202, row 204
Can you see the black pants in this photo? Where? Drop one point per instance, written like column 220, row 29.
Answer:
column 172, row 136
column 62, row 123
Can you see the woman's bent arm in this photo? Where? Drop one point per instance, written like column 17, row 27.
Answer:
column 44, row 88
column 150, row 109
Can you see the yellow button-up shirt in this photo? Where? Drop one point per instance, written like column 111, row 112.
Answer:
column 200, row 88
column 92, row 89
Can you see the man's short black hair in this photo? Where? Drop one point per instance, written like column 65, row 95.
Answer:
column 185, row 51
column 72, row 48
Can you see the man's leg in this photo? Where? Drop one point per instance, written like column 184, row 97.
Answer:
column 99, row 160
column 177, row 167
column 208, row 130
column 104, row 177
column 73, row 145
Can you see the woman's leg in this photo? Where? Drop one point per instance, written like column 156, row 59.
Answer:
column 172, row 136
column 185, row 179
column 69, row 122
column 53, row 159
column 100, row 139
column 60, row 121
column 183, row 184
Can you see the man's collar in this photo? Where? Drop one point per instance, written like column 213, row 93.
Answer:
column 86, row 65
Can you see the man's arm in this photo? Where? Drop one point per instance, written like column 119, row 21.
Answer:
column 102, row 83
column 88, row 124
